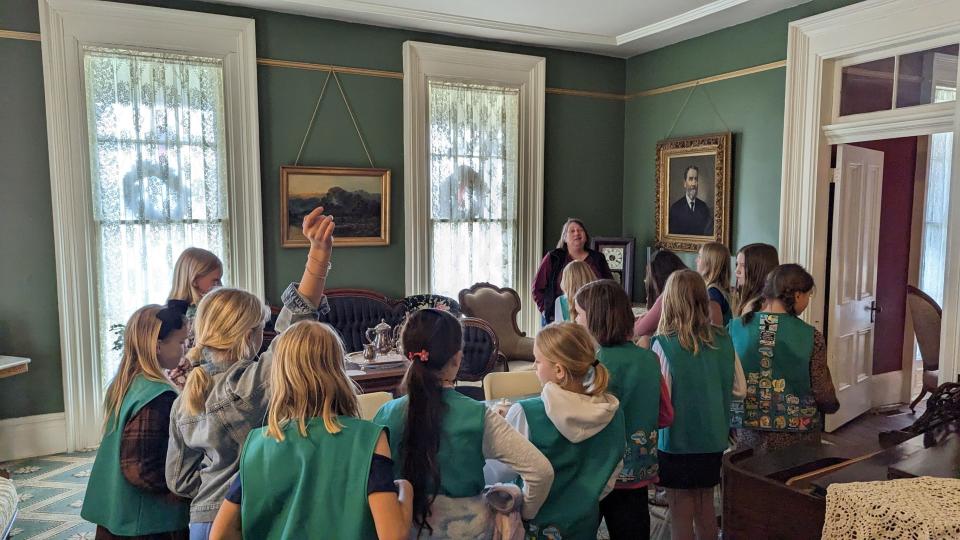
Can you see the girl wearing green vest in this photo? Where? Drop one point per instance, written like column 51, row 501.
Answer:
column 603, row 307
column 577, row 425
column 196, row 273
column 574, row 275
column 713, row 263
column 788, row 381
column 127, row 496
column 227, row 391
column 316, row 470
column 754, row 262
column 441, row 438
column 703, row 375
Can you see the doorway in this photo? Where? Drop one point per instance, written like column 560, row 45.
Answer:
column 893, row 53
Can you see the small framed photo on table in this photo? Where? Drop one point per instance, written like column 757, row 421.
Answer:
column 618, row 253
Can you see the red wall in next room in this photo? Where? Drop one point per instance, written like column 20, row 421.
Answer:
column 893, row 265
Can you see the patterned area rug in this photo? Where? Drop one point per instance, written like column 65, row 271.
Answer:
column 51, row 490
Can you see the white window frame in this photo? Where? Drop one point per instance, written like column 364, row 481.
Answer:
column 66, row 27
column 425, row 60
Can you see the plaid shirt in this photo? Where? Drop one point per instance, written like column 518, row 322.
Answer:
column 143, row 445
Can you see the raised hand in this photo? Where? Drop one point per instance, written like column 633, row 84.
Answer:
column 318, row 228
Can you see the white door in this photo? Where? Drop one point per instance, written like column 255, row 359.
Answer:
column 853, row 279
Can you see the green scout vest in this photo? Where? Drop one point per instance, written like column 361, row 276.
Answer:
column 581, row 471
column 775, row 351
column 701, row 393
column 313, row 486
column 564, row 308
column 114, row 503
column 635, row 380
column 460, row 456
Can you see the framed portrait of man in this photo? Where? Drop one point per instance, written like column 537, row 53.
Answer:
column 693, row 192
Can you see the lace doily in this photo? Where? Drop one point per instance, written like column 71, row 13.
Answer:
column 922, row 508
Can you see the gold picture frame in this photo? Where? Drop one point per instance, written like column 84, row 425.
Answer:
column 359, row 200
column 697, row 166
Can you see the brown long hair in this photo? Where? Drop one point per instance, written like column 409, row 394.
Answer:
column 686, row 311
column 716, row 258
column 661, row 265
column 432, row 338
column 140, row 340
column 609, row 314
column 307, row 380
column 758, row 261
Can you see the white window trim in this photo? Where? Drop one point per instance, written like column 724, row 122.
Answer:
column 873, row 28
column 66, row 26
column 423, row 60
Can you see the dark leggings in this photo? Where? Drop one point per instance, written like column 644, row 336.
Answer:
column 626, row 514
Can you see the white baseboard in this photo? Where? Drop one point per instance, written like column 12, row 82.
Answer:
column 886, row 389
column 32, row 436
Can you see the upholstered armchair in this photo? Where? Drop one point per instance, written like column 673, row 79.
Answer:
column 499, row 307
column 926, row 315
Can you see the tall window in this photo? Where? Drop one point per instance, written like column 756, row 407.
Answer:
column 473, row 185
column 473, row 173
column 934, row 251
column 156, row 134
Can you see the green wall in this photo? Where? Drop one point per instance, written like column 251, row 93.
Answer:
column 751, row 107
column 583, row 163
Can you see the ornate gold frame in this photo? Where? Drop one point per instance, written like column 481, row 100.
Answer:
column 717, row 144
column 384, row 174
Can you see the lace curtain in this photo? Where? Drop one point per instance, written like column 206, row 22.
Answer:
column 473, row 185
column 158, row 173
column 934, row 252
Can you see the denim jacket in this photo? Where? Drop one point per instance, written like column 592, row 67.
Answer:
column 203, row 454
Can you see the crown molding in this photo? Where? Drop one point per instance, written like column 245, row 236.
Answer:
column 678, row 20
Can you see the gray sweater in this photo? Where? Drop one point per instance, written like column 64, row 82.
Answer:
column 203, row 454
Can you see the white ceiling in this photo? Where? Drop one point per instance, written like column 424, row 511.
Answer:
column 621, row 28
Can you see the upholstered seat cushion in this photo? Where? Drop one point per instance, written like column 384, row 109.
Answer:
column 8, row 506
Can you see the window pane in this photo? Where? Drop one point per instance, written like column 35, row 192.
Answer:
column 927, row 77
column 867, row 87
column 934, row 247
column 158, row 173
column 473, row 185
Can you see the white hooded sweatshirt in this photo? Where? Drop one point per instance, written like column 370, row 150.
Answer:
column 576, row 416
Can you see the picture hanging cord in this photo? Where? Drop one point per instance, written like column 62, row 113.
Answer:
column 684, row 107
column 353, row 118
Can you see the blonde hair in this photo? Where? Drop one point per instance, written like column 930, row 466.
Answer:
column 716, row 259
column 575, row 275
column 571, row 346
column 686, row 311
column 193, row 263
column 307, row 380
column 139, row 358
column 224, row 320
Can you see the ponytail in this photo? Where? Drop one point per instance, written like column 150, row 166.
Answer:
column 596, row 380
column 195, row 390
column 225, row 319
column 571, row 346
column 430, row 339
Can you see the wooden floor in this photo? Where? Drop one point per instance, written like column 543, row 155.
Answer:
column 863, row 431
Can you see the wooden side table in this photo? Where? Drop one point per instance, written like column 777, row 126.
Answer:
column 13, row 365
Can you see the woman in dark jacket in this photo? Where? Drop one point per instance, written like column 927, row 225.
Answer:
column 573, row 246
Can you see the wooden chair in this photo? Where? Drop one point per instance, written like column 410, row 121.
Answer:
column 926, row 316
column 511, row 385
column 499, row 307
column 481, row 353
column 371, row 403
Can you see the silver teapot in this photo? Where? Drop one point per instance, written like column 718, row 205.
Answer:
column 381, row 336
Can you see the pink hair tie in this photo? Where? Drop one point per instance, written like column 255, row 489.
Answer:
column 423, row 355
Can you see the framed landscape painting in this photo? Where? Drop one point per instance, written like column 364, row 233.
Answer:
column 693, row 192
column 359, row 200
